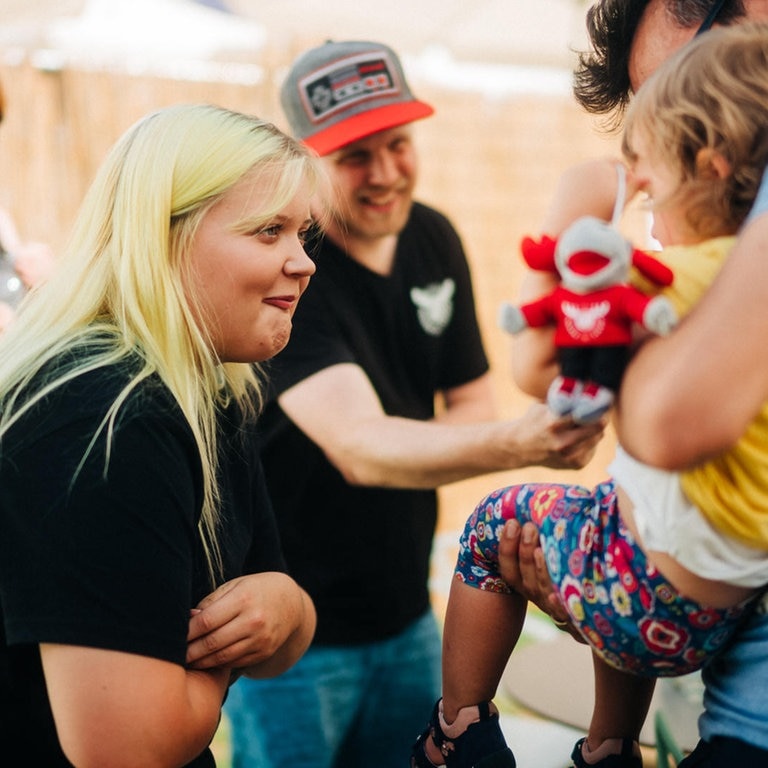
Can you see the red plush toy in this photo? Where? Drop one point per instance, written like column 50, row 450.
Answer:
column 593, row 310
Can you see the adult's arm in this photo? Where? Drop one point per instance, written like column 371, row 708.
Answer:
column 114, row 709
column 34, row 262
column 339, row 410
column 470, row 402
column 7, row 315
column 686, row 397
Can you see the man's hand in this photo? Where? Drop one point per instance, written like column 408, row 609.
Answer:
column 539, row 437
column 522, row 566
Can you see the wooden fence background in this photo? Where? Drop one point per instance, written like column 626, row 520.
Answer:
column 489, row 163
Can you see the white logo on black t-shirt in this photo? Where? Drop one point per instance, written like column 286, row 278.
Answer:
column 434, row 305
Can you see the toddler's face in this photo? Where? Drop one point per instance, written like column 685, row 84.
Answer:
column 660, row 182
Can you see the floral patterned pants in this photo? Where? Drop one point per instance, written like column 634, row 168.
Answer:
column 623, row 607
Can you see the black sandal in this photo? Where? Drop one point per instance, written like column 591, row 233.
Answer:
column 482, row 745
column 627, row 758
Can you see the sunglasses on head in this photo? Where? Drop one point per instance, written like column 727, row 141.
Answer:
column 711, row 18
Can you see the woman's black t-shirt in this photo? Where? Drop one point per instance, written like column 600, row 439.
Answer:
column 112, row 559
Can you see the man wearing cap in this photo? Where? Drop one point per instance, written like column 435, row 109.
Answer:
column 352, row 447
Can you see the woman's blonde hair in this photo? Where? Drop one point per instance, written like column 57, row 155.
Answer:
column 118, row 290
column 711, row 95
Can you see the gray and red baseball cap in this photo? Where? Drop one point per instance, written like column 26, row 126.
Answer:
column 340, row 92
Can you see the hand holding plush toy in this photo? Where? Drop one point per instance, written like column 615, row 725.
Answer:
column 593, row 310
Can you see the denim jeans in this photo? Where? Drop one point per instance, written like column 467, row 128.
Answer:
column 736, row 686
column 340, row 706
column 723, row 752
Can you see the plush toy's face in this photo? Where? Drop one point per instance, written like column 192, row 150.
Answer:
column 591, row 254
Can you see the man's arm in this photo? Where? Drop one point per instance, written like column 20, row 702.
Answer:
column 470, row 402
column 339, row 410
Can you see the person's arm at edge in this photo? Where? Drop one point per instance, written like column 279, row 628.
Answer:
column 9, row 235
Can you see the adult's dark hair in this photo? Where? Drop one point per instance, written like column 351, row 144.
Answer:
column 601, row 79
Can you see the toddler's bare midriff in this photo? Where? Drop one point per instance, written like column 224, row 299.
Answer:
column 708, row 592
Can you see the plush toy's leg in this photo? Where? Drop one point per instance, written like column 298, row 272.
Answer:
column 563, row 394
column 593, row 401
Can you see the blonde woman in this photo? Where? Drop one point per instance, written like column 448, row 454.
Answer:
column 140, row 569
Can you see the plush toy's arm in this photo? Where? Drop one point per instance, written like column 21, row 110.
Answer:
column 540, row 256
column 655, row 314
column 533, row 314
column 659, row 316
column 652, row 269
column 511, row 318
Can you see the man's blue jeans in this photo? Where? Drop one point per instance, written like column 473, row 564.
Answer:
column 340, row 706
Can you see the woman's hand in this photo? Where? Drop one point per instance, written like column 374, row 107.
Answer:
column 260, row 623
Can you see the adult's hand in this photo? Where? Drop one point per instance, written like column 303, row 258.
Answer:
column 542, row 438
column 259, row 624
column 522, row 566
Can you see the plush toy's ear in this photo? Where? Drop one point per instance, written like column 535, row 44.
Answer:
column 539, row 254
column 652, row 268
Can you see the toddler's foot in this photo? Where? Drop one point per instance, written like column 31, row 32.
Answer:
column 473, row 740
column 612, row 753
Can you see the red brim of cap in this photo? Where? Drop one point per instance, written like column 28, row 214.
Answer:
column 359, row 126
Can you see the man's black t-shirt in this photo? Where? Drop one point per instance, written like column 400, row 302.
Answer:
column 363, row 553
column 113, row 560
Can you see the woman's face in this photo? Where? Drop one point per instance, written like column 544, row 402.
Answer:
column 244, row 285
